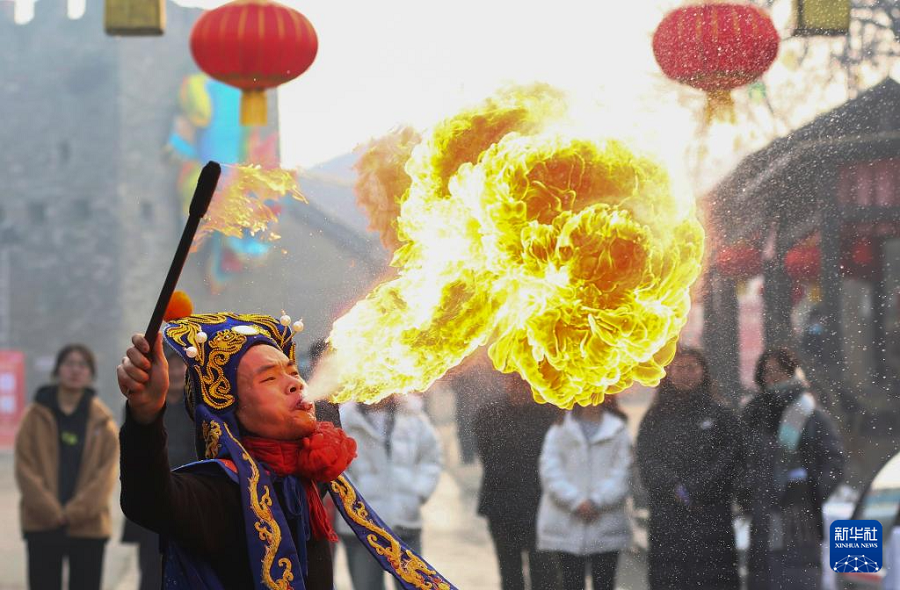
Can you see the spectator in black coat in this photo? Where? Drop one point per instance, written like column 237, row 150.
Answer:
column 688, row 454
column 793, row 462
column 509, row 434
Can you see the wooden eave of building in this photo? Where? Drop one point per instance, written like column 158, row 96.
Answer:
column 785, row 178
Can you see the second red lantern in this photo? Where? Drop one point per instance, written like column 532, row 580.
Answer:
column 715, row 47
column 253, row 45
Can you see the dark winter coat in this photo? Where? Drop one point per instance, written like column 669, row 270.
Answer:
column 509, row 439
column 181, row 449
column 786, row 528
column 203, row 514
column 693, row 442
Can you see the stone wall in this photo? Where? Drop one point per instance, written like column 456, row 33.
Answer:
column 86, row 205
column 89, row 214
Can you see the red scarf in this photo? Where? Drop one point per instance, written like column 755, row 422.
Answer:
column 319, row 457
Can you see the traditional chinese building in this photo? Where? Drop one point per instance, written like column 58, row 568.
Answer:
column 816, row 215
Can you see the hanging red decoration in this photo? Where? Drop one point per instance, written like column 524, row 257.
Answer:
column 253, row 45
column 859, row 260
column 803, row 263
column 739, row 261
column 716, row 47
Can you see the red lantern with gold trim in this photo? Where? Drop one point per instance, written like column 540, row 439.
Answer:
column 253, row 45
column 716, row 47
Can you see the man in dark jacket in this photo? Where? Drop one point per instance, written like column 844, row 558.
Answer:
column 793, row 462
column 509, row 434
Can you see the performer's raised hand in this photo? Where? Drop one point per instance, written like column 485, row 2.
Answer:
column 144, row 381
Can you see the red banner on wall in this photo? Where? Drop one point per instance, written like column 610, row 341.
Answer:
column 12, row 394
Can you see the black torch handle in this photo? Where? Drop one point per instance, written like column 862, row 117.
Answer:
column 206, row 186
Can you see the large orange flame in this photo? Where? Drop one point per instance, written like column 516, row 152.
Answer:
column 570, row 258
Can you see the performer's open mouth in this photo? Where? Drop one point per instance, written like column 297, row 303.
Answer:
column 304, row 405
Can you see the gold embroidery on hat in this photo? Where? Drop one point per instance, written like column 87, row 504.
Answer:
column 276, row 332
column 214, row 383
column 215, row 354
column 184, row 331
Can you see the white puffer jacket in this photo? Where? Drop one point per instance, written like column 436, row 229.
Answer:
column 397, row 486
column 575, row 469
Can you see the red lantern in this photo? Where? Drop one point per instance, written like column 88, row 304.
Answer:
column 715, row 47
column 859, row 260
column 739, row 262
column 803, row 263
column 253, row 45
column 862, row 253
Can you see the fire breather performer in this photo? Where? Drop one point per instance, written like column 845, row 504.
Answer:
column 250, row 514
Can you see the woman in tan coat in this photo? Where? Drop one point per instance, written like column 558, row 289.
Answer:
column 66, row 456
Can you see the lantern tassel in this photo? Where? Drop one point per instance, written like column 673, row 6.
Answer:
column 719, row 107
column 815, row 293
column 253, row 108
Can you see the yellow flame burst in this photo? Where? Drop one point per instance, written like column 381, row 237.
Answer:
column 570, row 258
column 244, row 202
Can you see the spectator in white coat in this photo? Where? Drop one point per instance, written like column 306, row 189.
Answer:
column 586, row 467
column 396, row 469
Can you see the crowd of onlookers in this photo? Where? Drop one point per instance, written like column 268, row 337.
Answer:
column 555, row 489
column 556, row 484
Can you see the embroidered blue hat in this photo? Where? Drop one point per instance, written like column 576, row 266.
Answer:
column 212, row 346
